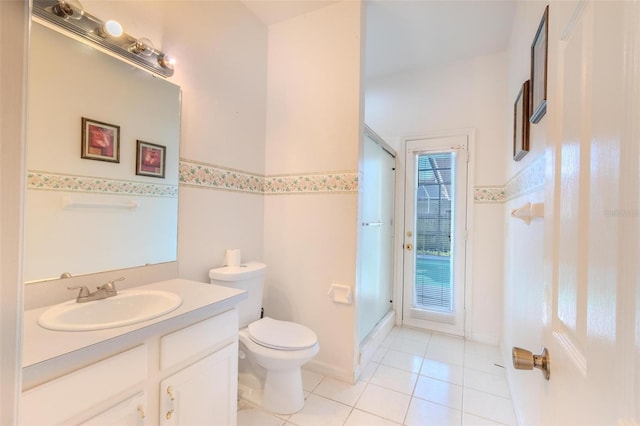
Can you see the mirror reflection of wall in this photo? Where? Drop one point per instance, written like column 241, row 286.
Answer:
column 118, row 218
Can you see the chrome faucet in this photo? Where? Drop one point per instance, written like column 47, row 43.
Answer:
column 103, row 291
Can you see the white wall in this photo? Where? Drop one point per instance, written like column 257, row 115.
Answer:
column 314, row 126
column 221, row 49
column 464, row 94
column 523, row 258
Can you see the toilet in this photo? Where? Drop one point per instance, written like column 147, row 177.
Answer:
column 271, row 352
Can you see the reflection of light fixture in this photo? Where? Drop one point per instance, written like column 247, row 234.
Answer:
column 166, row 62
column 142, row 46
column 69, row 15
column 68, row 9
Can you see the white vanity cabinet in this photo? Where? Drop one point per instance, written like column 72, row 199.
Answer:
column 200, row 390
column 187, row 376
column 97, row 386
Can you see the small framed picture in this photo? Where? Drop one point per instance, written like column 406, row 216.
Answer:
column 100, row 141
column 150, row 159
column 539, row 69
column 521, row 123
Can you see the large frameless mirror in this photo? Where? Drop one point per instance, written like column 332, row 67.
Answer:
column 102, row 161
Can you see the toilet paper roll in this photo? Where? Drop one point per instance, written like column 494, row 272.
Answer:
column 232, row 257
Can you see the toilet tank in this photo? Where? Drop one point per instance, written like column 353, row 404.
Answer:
column 249, row 277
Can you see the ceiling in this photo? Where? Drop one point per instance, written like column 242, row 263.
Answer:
column 409, row 35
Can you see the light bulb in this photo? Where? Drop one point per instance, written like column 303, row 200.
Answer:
column 113, row 28
column 166, row 62
column 71, row 9
column 142, row 46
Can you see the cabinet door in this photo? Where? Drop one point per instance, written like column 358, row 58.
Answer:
column 130, row 412
column 205, row 393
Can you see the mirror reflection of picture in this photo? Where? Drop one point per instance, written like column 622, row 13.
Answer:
column 100, row 141
column 150, row 159
column 521, row 123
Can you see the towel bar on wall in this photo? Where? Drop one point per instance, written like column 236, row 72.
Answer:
column 68, row 204
column 528, row 212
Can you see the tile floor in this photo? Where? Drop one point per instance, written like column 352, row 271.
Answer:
column 415, row 378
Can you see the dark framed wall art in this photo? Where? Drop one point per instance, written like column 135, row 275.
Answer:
column 100, row 141
column 521, row 123
column 150, row 159
column 539, row 49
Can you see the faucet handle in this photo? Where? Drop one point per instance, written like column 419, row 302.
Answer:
column 84, row 290
column 110, row 286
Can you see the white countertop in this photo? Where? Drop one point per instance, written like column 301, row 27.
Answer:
column 40, row 344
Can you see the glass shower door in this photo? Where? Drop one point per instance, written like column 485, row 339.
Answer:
column 376, row 236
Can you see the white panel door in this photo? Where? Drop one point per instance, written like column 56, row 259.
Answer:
column 592, row 290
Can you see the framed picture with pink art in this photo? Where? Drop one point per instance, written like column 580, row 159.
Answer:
column 150, row 159
column 100, row 141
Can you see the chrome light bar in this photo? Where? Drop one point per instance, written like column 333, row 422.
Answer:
column 68, row 14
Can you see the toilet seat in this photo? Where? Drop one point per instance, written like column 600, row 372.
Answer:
column 281, row 335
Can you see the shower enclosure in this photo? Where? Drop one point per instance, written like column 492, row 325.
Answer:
column 375, row 263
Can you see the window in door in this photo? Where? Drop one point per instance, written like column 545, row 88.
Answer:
column 435, row 233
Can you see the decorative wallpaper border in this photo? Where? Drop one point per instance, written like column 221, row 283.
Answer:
column 64, row 182
column 527, row 180
column 488, row 194
column 216, row 177
column 330, row 182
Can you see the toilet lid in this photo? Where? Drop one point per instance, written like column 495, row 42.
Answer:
column 283, row 335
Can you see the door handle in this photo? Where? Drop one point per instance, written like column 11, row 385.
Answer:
column 408, row 246
column 526, row 360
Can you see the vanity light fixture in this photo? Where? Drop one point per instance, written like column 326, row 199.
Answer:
column 70, row 15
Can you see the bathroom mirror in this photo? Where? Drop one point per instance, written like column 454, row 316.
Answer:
column 102, row 161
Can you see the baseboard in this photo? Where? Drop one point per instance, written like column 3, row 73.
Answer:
column 325, row 369
column 368, row 347
column 488, row 339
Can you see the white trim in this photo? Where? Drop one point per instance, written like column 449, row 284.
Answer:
column 14, row 38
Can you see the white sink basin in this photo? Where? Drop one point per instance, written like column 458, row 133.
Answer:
column 127, row 307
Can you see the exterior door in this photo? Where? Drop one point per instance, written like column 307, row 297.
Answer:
column 435, row 233
column 592, row 281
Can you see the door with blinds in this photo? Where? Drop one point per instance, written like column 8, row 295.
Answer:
column 435, row 233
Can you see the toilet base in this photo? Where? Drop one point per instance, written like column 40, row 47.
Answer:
column 279, row 392
column 283, row 392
